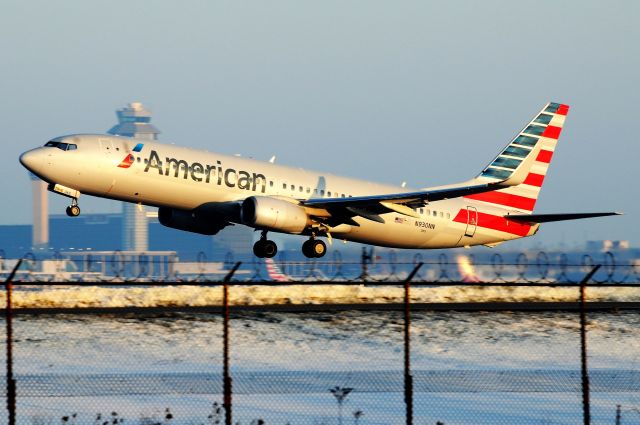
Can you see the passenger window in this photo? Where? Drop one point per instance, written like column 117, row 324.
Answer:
column 284, row 185
column 293, row 187
column 308, row 190
column 271, row 183
column 322, row 192
column 435, row 213
column 301, row 189
column 441, row 214
column 138, row 159
column 329, row 194
column 343, row 195
column 448, row 215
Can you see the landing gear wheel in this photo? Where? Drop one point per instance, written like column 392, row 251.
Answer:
column 314, row 248
column 306, row 249
column 265, row 249
column 73, row 211
column 257, row 249
column 269, row 248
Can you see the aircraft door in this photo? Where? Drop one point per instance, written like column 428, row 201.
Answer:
column 472, row 221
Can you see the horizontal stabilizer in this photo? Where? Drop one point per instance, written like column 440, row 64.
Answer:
column 547, row 218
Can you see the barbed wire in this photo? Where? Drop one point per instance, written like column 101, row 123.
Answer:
column 534, row 268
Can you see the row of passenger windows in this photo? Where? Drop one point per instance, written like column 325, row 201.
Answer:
column 302, row 189
column 433, row 213
column 62, row 146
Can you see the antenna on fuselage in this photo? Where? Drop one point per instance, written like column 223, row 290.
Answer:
column 273, row 159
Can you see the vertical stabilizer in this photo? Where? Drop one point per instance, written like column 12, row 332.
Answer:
column 528, row 155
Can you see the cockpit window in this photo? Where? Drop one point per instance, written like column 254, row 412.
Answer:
column 62, row 146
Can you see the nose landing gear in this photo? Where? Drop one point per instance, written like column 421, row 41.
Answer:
column 73, row 210
column 314, row 248
column 265, row 248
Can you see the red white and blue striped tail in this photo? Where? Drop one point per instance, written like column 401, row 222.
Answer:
column 274, row 271
column 528, row 155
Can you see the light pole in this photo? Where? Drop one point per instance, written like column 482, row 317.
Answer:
column 340, row 394
column 357, row 415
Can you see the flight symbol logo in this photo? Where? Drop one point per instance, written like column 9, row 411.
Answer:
column 129, row 159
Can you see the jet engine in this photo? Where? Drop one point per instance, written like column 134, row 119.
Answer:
column 262, row 212
column 191, row 221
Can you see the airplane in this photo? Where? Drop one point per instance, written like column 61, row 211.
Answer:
column 203, row 192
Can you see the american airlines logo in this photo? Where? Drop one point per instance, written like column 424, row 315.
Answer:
column 206, row 173
column 128, row 160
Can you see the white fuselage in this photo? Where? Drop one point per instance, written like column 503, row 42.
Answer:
column 165, row 175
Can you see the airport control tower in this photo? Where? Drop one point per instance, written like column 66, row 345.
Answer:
column 134, row 120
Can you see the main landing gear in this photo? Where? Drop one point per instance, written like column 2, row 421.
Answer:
column 314, row 248
column 265, row 248
column 73, row 210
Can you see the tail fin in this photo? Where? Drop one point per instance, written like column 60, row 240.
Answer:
column 274, row 271
column 525, row 161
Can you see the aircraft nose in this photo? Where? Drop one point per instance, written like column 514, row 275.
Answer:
column 32, row 160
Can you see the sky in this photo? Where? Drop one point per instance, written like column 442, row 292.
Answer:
column 416, row 91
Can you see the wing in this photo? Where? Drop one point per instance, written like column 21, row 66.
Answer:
column 334, row 211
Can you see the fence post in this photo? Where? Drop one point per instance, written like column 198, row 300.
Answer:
column 226, row 384
column 365, row 259
column 11, row 382
column 408, row 378
column 586, row 406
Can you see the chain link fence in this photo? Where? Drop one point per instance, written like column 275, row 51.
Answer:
column 323, row 367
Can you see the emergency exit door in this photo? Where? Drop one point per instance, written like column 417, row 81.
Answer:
column 472, row 221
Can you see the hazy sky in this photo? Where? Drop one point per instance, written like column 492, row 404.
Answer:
column 426, row 92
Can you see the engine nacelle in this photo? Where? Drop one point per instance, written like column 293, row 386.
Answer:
column 262, row 212
column 190, row 221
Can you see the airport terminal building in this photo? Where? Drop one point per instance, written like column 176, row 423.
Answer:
column 103, row 232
